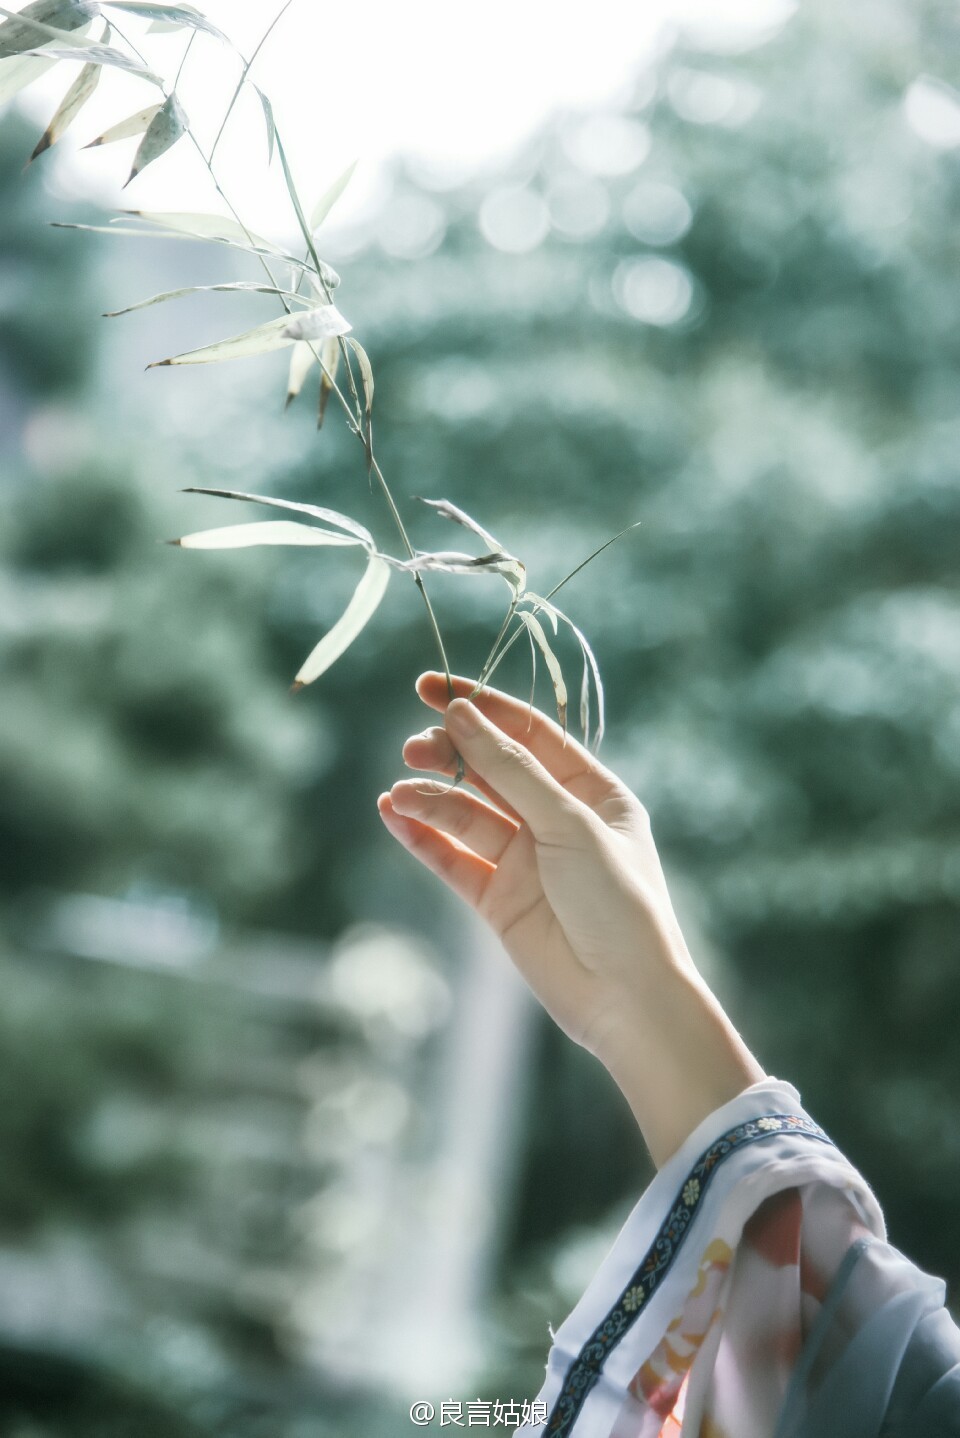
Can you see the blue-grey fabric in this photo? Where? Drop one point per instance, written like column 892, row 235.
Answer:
column 882, row 1359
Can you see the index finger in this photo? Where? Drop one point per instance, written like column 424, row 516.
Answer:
column 562, row 757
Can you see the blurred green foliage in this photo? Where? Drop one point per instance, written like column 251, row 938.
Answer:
column 780, row 644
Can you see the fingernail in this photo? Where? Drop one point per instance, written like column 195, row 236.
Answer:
column 462, row 717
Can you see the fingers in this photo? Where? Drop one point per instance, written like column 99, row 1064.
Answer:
column 564, row 758
column 554, row 816
column 465, row 873
column 479, row 827
column 434, row 750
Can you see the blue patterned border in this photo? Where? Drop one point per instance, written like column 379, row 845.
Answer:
column 584, row 1371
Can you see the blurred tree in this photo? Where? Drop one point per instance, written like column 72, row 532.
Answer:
column 727, row 308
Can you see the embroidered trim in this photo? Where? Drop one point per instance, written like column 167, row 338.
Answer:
column 584, row 1371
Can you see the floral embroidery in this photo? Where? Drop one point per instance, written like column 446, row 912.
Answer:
column 584, row 1371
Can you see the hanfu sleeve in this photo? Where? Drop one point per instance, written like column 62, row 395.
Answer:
column 751, row 1293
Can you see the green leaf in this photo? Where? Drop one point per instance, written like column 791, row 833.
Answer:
column 366, row 373
column 260, row 340
column 27, row 29
column 316, row 511
column 446, row 510
column 179, row 16
column 553, row 664
column 126, row 129
column 363, row 604
column 271, row 531
column 302, row 360
column 268, row 121
column 247, row 286
column 164, row 130
column 317, row 324
column 330, row 197
column 70, row 106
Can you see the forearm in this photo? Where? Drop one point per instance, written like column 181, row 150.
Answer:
column 673, row 1052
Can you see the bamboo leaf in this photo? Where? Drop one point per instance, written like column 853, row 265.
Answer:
column 330, row 197
column 539, row 603
column 125, row 129
column 453, row 562
column 271, row 531
column 70, row 106
column 161, row 27
column 260, row 340
column 248, row 286
column 268, row 121
column 27, row 29
column 317, row 324
column 302, row 359
column 363, row 604
column 366, row 373
column 590, row 669
column 164, row 130
column 330, row 363
column 553, row 664
column 100, row 55
column 176, row 16
column 446, row 510
column 201, row 226
column 170, row 234
column 19, row 72
column 316, row 511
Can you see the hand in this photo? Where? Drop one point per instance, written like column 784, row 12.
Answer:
column 562, row 865
column 563, row 869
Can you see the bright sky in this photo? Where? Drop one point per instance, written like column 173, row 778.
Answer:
column 457, row 86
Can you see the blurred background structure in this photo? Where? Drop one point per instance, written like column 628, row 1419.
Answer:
column 285, row 1145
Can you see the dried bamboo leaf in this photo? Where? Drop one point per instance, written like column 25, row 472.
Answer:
column 366, row 374
column 553, row 664
column 453, row 562
column 544, row 605
column 271, row 531
column 330, row 363
column 68, row 109
column 330, row 197
column 126, row 129
column 99, row 55
column 170, row 234
column 302, row 360
column 176, row 16
column 201, row 226
column 317, row 324
column 27, row 29
column 446, row 510
column 247, row 286
column 260, row 340
column 164, row 130
column 316, row 511
column 589, row 661
column 363, row 604
column 268, row 121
